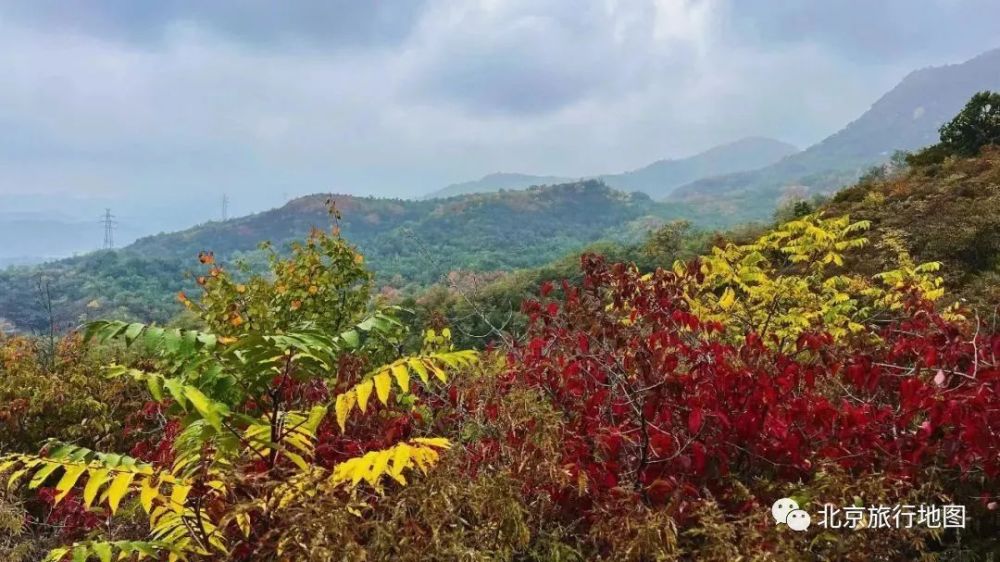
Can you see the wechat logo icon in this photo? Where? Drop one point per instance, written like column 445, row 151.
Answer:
column 786, row 510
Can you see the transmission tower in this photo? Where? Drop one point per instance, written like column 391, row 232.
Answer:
column 225, row 207
column 109, row 229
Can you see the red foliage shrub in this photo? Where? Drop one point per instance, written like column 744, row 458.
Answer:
column 657, row 403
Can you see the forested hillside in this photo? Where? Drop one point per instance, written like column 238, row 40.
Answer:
column 405, row 243
column 943, row 207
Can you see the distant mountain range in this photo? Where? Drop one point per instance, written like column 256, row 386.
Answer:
column 906, row 118
column 657, row 180
column 661, row 178
column 745, row 180
column 417, row 242
column 404, row 242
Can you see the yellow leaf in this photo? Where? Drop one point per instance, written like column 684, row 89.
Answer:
column 440, row 442
column 68, row 480
column 402, row 376
column 382, row 382
column 147, row 493
column 379, row 464
column 727, row 299
column 118, row 489
column 359, row 469
column 178, row 495
column 400, row 460
column 39, row 478
column 97, row 479
column 438, row 372
column 418, row 366
column 243, row 521
column 298, row 460
column 345, row 402
column 56, row 554
column 364, row 391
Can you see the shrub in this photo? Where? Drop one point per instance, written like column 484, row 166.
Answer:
column 977, row 125
column 249, row 404
column 667, row 413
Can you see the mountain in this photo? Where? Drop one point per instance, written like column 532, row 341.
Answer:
column 422, row 240
column 657, row 179
column 404, row 242
column 905, row 118
column 495, row 182
column 660, row 178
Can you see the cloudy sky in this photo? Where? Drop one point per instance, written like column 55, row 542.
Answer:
column 183, row 100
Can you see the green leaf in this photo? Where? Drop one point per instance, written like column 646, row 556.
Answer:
column 102, row 550
column 133, row 331
column 351, row 338
column 211, row 411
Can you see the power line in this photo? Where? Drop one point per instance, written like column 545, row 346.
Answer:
column 225, row 207
column 109, row 229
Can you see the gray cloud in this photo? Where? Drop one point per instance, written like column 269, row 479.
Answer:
column 266, row 23
column 184, row 100
column 880, row 32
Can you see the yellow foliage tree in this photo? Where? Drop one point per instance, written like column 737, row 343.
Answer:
column 791, row 280
column 246, row 446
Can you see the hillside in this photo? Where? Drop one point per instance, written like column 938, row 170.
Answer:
column 905, row 118
column 658, row 179
column 404, row 242
column 948, row 212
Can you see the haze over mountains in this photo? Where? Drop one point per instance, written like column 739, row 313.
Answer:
column 516, row 228
column 660, row 178
column 657, row 179
column 905, row 118
column 745, row 180
column 732, row 183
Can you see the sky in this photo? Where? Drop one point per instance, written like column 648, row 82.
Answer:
column 167, row 105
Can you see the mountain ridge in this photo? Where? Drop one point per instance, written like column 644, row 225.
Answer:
column 657, row 179
column 904, row 118
column 660, row 178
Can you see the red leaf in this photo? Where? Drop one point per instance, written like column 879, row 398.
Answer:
column 694, row 420
column 546, row 288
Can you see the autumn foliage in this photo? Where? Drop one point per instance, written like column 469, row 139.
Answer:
column 640, row 416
